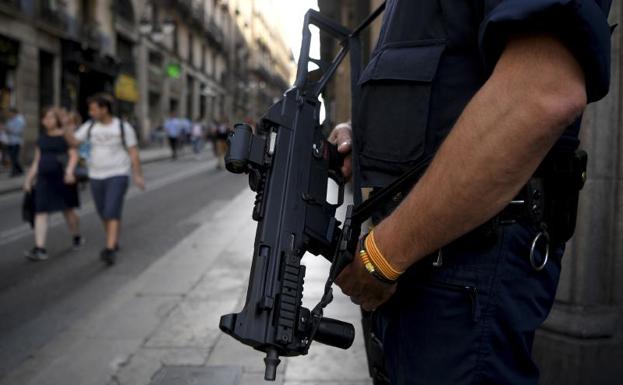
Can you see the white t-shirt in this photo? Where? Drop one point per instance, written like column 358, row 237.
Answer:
column 108, row 157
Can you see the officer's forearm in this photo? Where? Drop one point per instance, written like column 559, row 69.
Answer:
column 536, row 90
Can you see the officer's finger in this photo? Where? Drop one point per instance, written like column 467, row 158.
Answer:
column 344, row 146
column 347, row 167
column 333, row 136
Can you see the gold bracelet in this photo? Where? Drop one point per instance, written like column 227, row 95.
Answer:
column 379, row 261
column 365, row 259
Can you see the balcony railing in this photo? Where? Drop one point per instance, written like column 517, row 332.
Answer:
column 55, row 17
column 12, row 3
column 91, row 36
column 215, row 34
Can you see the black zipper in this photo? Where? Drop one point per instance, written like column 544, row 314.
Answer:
column 470, row 291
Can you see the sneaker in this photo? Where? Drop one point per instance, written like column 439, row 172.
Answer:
column 77, row 242
column 109, row 256
column 37, row 254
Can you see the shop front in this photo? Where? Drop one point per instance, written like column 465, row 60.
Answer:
column 9, row 54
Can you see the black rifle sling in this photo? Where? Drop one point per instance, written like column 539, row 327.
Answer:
column 356, row 66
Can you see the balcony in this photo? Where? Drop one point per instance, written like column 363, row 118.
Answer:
column 90, row 36
column 11, row 3
column 198, row 17
column 214, row 34
column 51, row 16
column 184, row 7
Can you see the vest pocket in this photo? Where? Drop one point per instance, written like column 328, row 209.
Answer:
column 395, row 100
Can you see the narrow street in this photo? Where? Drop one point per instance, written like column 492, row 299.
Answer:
column 40, row 300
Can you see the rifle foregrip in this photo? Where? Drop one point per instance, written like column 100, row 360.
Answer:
column 335, row 333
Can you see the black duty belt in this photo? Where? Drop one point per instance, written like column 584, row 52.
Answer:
column 549, row 201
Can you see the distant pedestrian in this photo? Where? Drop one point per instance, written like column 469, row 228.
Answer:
column 187, row 127
column 222, row 130
column 55, row 187
column 113, row 152
column 14, row 128
column 4, row 142
column 197, row 135
column 174, row 128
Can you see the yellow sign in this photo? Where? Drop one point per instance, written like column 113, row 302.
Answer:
column 126, row 88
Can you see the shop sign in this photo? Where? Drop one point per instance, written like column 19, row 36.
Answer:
column 174, row 70
column 126, row 88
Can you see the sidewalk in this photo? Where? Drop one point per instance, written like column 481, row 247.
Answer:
column 8, row 185
column 162, row 328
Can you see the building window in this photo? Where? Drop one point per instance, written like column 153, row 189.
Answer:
column 124, row 10
column 191, row 50
column 125, row 54
column 155, row 58
column 203, row 57
column 46, row 79
column 87, row 11
column 9, row 54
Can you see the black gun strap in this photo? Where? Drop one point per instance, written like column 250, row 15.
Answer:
column 369, row 20
column 365, row 209
column 356, row 66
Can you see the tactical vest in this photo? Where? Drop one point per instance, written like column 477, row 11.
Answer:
column 426, row 67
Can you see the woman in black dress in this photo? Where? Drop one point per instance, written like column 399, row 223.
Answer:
column 55, row 186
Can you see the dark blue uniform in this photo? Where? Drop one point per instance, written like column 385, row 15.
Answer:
column 472, row 320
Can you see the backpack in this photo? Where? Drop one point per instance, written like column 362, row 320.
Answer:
column 121, row 127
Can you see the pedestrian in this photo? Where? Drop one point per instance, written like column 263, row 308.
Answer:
column 197, row 135
column 14, row 128
column 4, row 142
column 52, row 174
column 173, row 127
column 187, row 127
column 457, row 277
column 222, row 132
column 211, row 135
column 113, row 154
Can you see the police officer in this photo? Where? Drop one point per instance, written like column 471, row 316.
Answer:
column 458, row 277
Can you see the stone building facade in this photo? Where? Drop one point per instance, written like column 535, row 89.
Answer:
column 582, row 340
column 62, row 51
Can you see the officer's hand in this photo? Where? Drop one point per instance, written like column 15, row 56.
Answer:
column 342, row 136
column 362, row 288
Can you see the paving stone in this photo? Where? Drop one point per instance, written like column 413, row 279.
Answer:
column 186, row 375
column 229, row 351
column 171, row 280
column 134, row 319
column 258, row 379
column 326, row 363
column 221, row 281
column 144, row 364
column 194, row 323
column 89, row 362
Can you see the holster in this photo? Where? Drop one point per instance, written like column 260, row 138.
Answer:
column 564, row 175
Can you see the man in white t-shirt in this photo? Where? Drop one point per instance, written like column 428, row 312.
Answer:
column 113, row 154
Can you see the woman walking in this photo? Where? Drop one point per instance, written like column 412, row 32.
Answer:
column 55, row 187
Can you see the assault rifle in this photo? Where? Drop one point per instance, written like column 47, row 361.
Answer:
column 289, row 162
